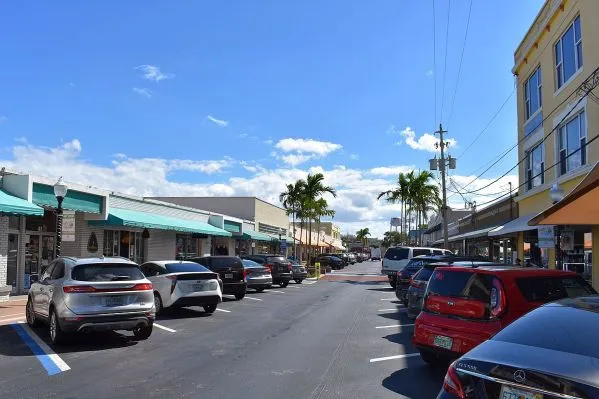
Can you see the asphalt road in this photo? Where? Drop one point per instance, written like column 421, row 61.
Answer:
column 323, row 339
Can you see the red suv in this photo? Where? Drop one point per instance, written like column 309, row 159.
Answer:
column 465, row 306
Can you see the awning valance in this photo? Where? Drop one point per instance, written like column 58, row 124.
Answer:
column 255, row 235
column 43, row 195
column 580, row 206
column 11, row 205
column 513, row 226
column 144, row 220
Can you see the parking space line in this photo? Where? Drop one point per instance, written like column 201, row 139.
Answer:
column 253, row 299
column 278, row 292
column 223, row 310
column 46, row 356
column 380, row 359
column 164, row 328
column 396, row 325
column 389, row 299
column 392, row 310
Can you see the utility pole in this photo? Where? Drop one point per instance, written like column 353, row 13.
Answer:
column 443, row 169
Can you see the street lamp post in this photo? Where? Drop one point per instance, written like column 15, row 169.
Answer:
column 556, row 193
column 60, row 191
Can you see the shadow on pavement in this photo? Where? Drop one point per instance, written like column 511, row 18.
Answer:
column 355, row 282
column 389, row 289
column 399, row 316
column 403, row 338
column 11, row 344
column 181, row 313
column 417, row 381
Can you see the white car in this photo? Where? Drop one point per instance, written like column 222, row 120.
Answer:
column 396, row 258
column 182, row 283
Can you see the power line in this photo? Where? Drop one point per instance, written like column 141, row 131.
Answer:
column 435, row 58
column 460, row 66
column 445, row 62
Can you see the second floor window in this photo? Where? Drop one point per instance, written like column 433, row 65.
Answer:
column 572, row 144
column 535, row 167
column 532, row 93
column 568, row 53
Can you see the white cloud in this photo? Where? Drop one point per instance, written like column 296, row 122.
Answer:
column 208, row 166
column 143, row 92
column 153, row 73
column 320, row 148
column 426, row 142
column 295, row 159
column 219, row 122
column 390, row 170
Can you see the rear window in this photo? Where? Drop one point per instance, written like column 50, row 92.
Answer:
column 547, row 289
column 278, row 259
column 418, row 252
column 424, row 274
column 224, row 262
column 250, row 263
column 460, row 284
column 397, row 253
column 437, row 252
column 185, row 267
column 106, row 272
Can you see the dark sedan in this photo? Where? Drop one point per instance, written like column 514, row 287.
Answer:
column 299, row 272
column 548, row 353
column 328, row 261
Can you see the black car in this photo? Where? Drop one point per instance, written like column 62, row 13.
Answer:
column 299, row 272
column 230, row 270
column 344, row 257
column 333, row 262
column 548, row 353
column 280, row 267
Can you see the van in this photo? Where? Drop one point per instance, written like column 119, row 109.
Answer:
column 375, row 253
column 396, row 258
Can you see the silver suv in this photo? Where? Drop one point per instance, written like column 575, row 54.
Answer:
column 91, row 294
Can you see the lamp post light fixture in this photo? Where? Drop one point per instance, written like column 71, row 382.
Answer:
column 556, row 193
column 60, row 191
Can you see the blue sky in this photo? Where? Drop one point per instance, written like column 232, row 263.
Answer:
column 114, row 89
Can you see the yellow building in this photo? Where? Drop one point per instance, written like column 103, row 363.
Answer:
column 556, row 120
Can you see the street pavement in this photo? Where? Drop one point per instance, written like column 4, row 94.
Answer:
column 344, row 336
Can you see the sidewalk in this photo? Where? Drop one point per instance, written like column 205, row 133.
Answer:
column 13, row 310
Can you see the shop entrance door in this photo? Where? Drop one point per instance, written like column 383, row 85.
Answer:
column 13, row 257
column 39, row 251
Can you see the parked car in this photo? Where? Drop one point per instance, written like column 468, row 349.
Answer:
column 375, row 253
column 280, row 268
column 548, row 353
column 352, row 258
column 91, row 294
column 257, row 276
column 231, row 272
column 464, row 306
column 419, row 281
column 343, row 257
column 182, row 283
column 298, row 272
column 396, row 258
column 328, row 261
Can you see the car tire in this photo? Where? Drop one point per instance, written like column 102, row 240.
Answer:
column 57, row 336
column 32, row 320
column 261, row 289
column 239, row 296
column 143, row 333
column 298, row 281
column 284, row 284
column 158, row 303
column 209, row 308
column 393, row 283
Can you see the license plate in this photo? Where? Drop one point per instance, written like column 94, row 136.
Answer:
column 229, row 275
column 443, row 342
column 114, row 301
column 513, row 393
column 198, row 287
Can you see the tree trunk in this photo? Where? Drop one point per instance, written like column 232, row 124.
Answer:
column 310, row 241
column 294, row 240
column 301, row 237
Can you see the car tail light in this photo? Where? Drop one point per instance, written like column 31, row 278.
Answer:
column 246, row 272
column 452, row 384
column 173, row 282
column 142, row 287
column 289, row 267
column 416, row 283
column 269, row 265
column 498, row 299
column 72, row 289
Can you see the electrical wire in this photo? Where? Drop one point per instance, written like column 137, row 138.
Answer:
column 445, row 62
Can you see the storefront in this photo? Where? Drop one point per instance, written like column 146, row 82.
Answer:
column 255, row 242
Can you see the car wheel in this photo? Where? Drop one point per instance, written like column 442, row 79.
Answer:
column 57, row 336
column 260, row 289
column 30, row 314
column 209, row 308
column 284, row 284
column 393, row 283
column 298, row 281
column 143, row 333
column 158, row 303
column 239, row 297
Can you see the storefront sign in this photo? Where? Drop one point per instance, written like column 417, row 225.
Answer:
column 546, row 237
column 283, row 246
column 68, row 226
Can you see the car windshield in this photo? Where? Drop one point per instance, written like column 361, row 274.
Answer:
column 182, row 267
column 106, row 272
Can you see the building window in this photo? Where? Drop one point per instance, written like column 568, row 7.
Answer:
column 532, row 93
column 535, row 167
column 572, row 144
column 568, row 53
column 125, row 244
column 187, row 247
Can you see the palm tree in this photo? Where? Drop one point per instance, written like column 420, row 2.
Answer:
column 362, row 235
column 320, row 209
column 399, row 194
column 291, row 200
column 424, row 197
column 313, row 189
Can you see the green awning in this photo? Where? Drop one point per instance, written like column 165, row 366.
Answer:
column 43, row 195
column 256, row 235
column 232, row 227
column 11, row 205
column 144, row 220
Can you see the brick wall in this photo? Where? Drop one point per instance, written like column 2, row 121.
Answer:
column 3, row 253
